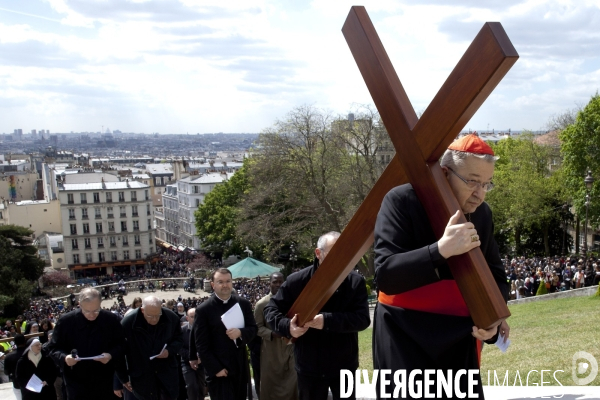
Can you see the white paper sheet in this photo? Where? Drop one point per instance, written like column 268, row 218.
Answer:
column 153, row 357
column 233, row 318
column 35, row 384
column 90, row 358
column 500, row 343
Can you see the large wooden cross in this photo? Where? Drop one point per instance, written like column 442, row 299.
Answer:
column 419, row 144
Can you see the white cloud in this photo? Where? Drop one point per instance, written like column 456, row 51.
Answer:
column 210, row 65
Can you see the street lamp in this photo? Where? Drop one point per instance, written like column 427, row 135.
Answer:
column 565, row 210
column 589, row 182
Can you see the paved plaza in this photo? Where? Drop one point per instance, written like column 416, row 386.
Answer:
column 166, row 295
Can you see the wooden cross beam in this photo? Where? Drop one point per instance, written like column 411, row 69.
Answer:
column 419, row 144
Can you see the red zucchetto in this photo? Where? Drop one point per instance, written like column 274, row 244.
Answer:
column 471, row 144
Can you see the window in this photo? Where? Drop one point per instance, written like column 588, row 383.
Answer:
column 125, row 254
column 84, row 214
column 98, row 227
column 113, row 241
column 109, row 211
column 86, row 228
column 134, row 211
column 146, row 194
column 73, row 229
column 125, row 240
column 196, row 190
column 111, row 226
column 138, row 254
column 113, row 256
column 197, row 202
column 71, row 213
column 123, row 211
column 136, row 225
column 74, row 244
column 100, row 242
column 147, row 209
column 109, row 197
column 133, row 196
column 88, row 257
column 96, row 197
column 70, row 198
column 101, row 257
column 98, row 213
column 136, row 239
column 75, row 258
column 149, row 224
column 83, row 198
column 121, row 196
column 88, row 243
column 123, row 226
column 150, row 239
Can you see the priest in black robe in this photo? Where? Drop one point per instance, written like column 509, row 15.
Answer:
column 222, row 351
column 421, row 320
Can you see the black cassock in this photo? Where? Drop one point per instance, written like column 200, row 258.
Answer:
column 218, row 352
column 421, row 320
column 88, row 379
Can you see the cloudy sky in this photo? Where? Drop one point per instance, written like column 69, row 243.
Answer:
column 177, row 66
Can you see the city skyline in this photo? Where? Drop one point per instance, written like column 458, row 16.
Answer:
column 192, row 67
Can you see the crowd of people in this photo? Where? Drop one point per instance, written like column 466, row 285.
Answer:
column 555, row 273
column 44, row 315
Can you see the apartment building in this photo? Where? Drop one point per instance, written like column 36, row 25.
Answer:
column 175, row 221
column 107, row 226
column 190, row 193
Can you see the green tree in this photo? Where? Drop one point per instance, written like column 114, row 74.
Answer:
column 527, row 193
column 580, row 148
column 218, row 216
column 297, row 184
column 309, row 174
column 20, row 268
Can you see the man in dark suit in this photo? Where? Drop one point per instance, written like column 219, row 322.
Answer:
column 10, row 363
column 192, row 369
column 329, row 342
column 153, row 340
column 222, row 350
column 91, row 331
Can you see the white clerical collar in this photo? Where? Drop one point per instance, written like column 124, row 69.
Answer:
column 224, row 301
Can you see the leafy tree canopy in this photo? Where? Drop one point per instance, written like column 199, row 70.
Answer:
column 528, row 195
column 580, row 148
column 217, row 217
column 20, row 268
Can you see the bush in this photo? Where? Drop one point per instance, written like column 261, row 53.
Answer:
column 56, row 278
column 368, row 290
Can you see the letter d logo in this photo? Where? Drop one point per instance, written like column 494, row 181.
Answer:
column 582, row 367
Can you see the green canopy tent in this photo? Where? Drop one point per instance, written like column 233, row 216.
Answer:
column 251, row 268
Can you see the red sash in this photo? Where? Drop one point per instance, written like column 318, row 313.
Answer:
column 442, row 297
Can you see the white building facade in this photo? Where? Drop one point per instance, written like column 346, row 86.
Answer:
column 107, row 227
column 190, row 193
column 175, row 221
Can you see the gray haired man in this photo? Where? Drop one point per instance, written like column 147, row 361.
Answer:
column 88, row 331
column 153, row 340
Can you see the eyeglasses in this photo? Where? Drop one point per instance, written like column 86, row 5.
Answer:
column 152, row 316
column 488, row 186
column 95, row 312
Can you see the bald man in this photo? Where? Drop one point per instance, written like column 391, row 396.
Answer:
column 329, row 342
